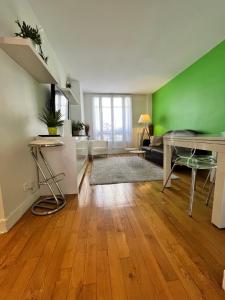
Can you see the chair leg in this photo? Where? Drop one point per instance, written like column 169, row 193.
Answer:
column 168, row 178
column 193, row 182
column 207, row 178
column 210, row 192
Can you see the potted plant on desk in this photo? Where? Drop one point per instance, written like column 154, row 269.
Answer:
column 77, row 126
column 52, row 120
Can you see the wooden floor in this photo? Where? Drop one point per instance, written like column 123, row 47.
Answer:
column 122, row 241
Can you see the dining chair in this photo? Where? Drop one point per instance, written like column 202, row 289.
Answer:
column 186, row 157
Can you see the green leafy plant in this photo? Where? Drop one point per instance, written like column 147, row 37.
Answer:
column 77, row 125
column 26, row 31
column 45, row 58
column 51, row 119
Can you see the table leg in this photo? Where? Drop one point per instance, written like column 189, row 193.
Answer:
column 218, row 211
column 167, row 155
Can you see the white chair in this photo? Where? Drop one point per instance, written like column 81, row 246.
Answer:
column 98, row 147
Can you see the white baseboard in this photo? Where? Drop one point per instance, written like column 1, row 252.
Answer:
column 223, row 283
column 3, row 226
column 17, row 213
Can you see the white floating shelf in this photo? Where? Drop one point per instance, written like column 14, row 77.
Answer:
column 70, row 96
column 23, row 52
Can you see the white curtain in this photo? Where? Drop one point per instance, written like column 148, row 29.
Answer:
column 112, row 119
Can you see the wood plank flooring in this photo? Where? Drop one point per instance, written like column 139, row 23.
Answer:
column 122, row 241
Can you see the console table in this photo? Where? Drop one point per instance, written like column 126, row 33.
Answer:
column 203, row 142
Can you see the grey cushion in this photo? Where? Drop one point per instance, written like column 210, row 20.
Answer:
column 185, row 132
column 157, row 149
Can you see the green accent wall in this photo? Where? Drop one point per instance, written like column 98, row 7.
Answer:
column 194, row 99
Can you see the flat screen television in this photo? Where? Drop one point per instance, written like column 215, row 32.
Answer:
column 58, row 101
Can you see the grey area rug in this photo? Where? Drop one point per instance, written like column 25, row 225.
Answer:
column 124, row 169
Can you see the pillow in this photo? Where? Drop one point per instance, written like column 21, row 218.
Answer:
column 146, row 143
column 156, row 140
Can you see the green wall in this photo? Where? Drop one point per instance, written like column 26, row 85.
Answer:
column 195, row 99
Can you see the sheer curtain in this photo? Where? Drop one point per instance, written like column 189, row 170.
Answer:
column 112, row 117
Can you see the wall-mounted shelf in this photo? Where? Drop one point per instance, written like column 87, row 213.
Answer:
column 23, row 52
column 70, row 96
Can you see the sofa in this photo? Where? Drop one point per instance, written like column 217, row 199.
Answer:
column 154, row 153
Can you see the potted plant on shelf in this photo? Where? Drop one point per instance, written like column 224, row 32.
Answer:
column 52, row 120
column 26, row 31
column 77, row 126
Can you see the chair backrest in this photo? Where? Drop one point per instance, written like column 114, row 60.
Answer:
column 98, row 143
column 97, row 147
column 181, row 151
column 184, row 152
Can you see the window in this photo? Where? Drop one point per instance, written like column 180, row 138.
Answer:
column 112, row 119
column 61, row 103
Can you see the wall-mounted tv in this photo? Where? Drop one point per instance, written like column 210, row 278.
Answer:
column 58, row 101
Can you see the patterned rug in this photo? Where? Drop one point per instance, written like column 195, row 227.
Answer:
column 124, row 169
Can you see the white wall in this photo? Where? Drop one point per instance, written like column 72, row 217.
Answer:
column 21, row 100
column 77, row 111
column 87, row 98
column 140, row 104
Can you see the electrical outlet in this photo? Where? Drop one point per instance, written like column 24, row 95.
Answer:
column 25, row 186
column 33, row 187
column 30, row 186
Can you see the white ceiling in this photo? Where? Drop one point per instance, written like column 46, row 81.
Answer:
column 130, row 46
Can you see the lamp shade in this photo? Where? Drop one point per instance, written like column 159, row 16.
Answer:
column 144, row 118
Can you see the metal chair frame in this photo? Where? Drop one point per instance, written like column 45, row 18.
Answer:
column 51, row 204
column 193, row 174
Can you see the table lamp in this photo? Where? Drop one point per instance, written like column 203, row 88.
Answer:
column 144, row 119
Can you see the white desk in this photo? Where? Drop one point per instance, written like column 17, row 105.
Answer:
column 204, row 142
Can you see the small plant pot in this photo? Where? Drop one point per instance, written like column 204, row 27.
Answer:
column 52, row 130
column 76, row 132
